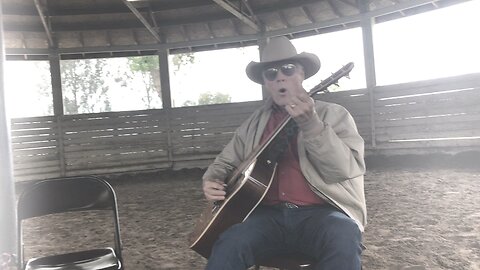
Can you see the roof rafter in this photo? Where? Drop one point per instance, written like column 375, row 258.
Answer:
column 45, row 24
column 334, row 9
column 143, row 20
column 348, row 3
column 238, row 13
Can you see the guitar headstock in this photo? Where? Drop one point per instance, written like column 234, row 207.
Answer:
column 333, row 79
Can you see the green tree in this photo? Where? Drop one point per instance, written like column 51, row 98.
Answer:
column 44, row 86
column 209, row 98
column 84, row 86
column 148, row 67
column 182, row 59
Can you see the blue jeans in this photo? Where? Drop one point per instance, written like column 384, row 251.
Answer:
column 323, row 233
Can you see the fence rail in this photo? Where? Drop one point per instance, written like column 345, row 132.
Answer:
column 440, row 115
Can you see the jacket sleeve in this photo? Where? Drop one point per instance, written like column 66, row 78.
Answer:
column 333, row 145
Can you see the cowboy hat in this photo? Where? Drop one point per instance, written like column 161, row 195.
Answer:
column 281, row 49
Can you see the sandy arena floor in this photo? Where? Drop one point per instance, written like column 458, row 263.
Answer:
column 418, row 219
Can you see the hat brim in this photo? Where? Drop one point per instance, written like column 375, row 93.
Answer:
column 309, row 62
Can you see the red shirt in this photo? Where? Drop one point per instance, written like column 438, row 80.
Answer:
column 289, row 184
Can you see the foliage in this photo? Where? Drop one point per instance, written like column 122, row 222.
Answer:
column 84, row 86
column 209, row 98
column 182, row 59
column 143, row 64
column 44, row 87
column 148, row 67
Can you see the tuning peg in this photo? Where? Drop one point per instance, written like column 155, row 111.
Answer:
column 347, row 76
column 338, row 85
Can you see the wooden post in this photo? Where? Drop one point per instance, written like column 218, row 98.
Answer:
column 56, row 79
column 166, row 98
column 262, row 42
column 369, row 57
column 8, row 224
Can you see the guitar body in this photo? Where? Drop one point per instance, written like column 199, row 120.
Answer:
column 247, row 192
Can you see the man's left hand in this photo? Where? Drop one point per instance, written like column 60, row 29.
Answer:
column 301, row 107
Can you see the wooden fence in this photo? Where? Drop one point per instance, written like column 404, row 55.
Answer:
column 430, row 116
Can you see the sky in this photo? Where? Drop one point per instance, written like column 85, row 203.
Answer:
column 435, row 44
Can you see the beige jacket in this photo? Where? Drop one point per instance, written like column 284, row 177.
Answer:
column 330, row 150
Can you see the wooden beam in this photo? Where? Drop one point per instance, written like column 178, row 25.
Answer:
column 348, row 3
column 43, row 18
column 334, row 8
column 237, row 13
column 309, row 15
column 369, row 58
column 164, row 79
column 143, row 20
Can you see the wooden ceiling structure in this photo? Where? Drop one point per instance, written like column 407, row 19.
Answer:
column 33, row 29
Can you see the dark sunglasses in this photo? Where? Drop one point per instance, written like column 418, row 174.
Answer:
column 272, row 72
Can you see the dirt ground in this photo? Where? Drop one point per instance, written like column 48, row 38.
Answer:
column 419, row 218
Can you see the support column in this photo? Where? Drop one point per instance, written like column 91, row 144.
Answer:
column 262, row 42
column 369, row 57
column 164, row 79
column 166, row 99
column 54, row 59
column 56, row 79
column 8, row 224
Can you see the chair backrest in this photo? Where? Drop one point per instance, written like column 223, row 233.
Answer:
column 67, row 195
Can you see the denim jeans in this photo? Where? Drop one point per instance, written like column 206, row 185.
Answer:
column 323, row 233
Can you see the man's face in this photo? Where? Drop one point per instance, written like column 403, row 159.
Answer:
column 283, row 80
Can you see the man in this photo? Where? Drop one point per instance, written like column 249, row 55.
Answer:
column 316, row 204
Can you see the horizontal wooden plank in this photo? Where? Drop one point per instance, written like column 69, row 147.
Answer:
column 415, row 135
column 439, row 101
column 427, row 144
column 34, row 132
column 37, row 164
column 34, row 145
column 34, row 152
column 458, row 129
column 426, row 120
column 36, row 119
column 113, row 123
column 32, row 139
column 113, row 135
column 428, row 113
column 36, row 176
column 33, row 125
column 119, row 169
column 429, row 86
column 111, row 163
column 215, row 120
column 344, row 100
column 37, row 170
column 115, row 154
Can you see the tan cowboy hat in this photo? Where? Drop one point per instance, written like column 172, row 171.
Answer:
column 281, row 49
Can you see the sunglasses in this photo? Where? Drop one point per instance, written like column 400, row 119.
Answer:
column 272, row 72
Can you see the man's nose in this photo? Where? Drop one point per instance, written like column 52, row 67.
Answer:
column 281, row 76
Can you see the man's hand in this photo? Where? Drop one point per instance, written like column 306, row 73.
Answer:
column 301, row 107
column 214, row 189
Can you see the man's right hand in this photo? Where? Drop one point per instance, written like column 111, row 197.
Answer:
column 214, row 189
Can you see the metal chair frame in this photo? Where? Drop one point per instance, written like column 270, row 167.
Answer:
column 71, row 194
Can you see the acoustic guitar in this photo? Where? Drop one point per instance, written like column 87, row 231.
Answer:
column 247, row 185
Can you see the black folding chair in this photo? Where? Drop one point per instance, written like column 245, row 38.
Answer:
column 62, row 195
